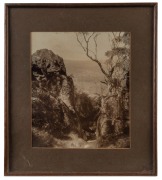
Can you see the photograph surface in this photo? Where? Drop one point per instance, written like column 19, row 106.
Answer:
column 80, row 90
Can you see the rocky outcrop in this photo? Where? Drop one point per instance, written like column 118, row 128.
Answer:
column 53, row 107
column 65, row 117
column 113, row 121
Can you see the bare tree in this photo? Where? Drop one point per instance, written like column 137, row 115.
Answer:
column 114, row 105
column 120, row 48
column 84, row 40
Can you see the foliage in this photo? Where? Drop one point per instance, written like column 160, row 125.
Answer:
column 87, row 109
column 116, row 78
column 48, row 115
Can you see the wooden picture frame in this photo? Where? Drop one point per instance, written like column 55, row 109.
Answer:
column 138, row 18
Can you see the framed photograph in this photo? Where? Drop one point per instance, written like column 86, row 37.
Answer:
column 80, row 89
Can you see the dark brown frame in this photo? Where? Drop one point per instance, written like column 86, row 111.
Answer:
column 154, row 98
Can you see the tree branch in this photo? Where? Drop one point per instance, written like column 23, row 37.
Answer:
column 80, row 42
column 95, row 41
column 90, row 36
column 99, row 64
column 87, row 50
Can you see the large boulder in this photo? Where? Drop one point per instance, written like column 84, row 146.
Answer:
column 53, row 107
column 45, row 62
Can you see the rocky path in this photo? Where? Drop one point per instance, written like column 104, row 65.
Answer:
column 73, row 141
column 91, row 144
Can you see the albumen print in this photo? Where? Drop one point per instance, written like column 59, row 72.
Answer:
column 80, row 90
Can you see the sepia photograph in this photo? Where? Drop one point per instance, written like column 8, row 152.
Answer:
column 80, row 90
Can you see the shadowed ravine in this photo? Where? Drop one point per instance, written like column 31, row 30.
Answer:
column 65, row 117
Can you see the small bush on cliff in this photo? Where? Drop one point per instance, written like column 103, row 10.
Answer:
column 87, row 109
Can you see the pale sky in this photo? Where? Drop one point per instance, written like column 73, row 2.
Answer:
column 65, row 44
column 86, row 73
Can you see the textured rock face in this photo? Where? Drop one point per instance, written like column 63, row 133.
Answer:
column 113, row 120
column 52, row 94
column 48, row 62
column 60, row 112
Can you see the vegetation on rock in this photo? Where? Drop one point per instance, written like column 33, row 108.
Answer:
column 65, row 117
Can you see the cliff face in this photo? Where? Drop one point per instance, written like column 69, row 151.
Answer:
column 53, row 107
column 65, row 118
column 113, row 123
